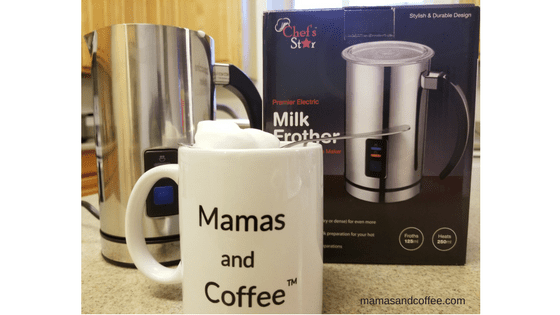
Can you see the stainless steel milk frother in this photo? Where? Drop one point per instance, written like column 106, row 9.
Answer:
column 387, row 84
column 152, row 84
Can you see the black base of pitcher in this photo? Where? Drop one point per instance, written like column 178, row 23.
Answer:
column 166, row 250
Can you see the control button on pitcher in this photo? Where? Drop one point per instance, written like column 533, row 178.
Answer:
column 375, row 158
column 162, row 199
column 163, row 195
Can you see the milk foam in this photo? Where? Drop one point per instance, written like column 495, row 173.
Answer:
column 224, row 134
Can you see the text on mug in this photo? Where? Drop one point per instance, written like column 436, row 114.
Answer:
column 229, row 298
column 267, row 222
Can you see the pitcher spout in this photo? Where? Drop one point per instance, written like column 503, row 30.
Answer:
column 90, row 38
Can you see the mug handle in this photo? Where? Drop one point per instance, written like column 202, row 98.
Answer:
column 134, row 233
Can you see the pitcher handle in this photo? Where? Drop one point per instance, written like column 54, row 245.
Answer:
column 134, row 233
column 236, row 81
column 431, row 81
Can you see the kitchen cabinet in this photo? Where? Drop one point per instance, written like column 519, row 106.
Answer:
column 89, row 173
column 220, row 20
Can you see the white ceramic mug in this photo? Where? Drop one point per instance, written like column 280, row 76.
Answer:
column 251, row 229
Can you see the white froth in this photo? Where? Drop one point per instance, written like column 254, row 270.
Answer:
column 224, row 134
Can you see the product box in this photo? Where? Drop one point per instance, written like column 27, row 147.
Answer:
column 407, row 72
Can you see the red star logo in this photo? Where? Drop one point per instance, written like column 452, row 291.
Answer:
column 306, row 43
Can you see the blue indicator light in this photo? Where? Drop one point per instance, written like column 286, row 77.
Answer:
column 163, row 195
column 375, row 166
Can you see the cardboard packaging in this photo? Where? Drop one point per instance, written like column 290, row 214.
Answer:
column 401, row 198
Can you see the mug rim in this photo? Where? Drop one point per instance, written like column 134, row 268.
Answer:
column 300, row 147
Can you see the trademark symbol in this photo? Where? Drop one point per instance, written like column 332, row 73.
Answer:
column 292, row 282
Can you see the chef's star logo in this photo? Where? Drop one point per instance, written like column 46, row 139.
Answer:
column 299, row 37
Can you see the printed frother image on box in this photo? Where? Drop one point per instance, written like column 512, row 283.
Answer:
column 387, row 84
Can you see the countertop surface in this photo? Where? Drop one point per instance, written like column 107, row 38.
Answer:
column 110, row 289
